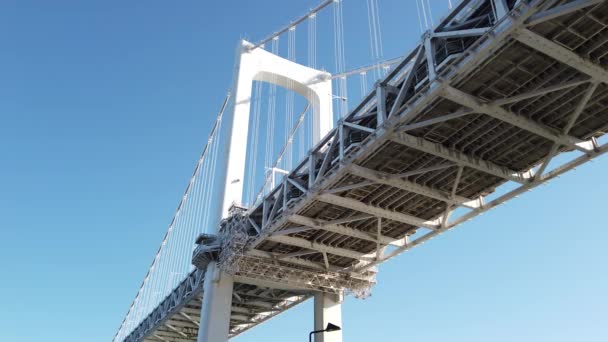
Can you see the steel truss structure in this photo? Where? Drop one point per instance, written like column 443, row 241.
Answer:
column 487, row 101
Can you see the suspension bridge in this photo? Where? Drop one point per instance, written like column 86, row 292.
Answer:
column 497, row 98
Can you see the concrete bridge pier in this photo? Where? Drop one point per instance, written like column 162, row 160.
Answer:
column 217, row 301
column 328, row 309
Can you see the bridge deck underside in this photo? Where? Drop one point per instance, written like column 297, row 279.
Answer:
column 480, row 124
column 512, row 69
column 250, row 304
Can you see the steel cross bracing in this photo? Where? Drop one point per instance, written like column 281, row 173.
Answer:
column 490, row 96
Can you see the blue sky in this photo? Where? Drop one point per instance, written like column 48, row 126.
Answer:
column 104, row 107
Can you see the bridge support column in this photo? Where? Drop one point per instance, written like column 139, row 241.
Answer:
column 217, row 302
column 328, row 309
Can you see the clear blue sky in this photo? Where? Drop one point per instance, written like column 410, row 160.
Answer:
column 104, row 107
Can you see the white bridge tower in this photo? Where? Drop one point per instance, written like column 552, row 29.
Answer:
column 256, row 64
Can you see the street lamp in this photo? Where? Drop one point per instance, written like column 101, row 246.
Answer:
column 330, row 327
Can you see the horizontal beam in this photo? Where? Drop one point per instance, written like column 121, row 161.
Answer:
column 434, row 121
column 383, row 178
column 169, row 335
column 241, row 318
column 421, row 170
column 297, row 254
column 303, row 243
column 349, row 219
column 259, row 304
column 292, row 260
column 539, row 92
column 461, row 33
column 561, row 10
column 243, row 310
column 358, row 127
column 560, row 53
column 288, row 231
column 343, row 230
column 458, row 157
column 271, row 284
column 504, row 115
column 376, row 211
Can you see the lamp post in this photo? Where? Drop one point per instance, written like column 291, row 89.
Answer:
column 330, row 327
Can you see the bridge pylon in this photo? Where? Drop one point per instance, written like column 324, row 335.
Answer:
column 256, row 64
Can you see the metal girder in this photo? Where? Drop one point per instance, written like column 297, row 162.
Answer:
column 560, row 53
column 504, row 115
column 292, row 260
column 501, row 8
column 546, row 161
column 558, row 11
column 542, row 179
column 267, row 283
column 539, row 92
column 291, row 230
column 297, row 254
column 298, row 281
column 343, row 230
column 571, row 121
column 275, row 206
column 461, row 33
column 255, row 225
column 189, row 318
column 178, row 321
column 188, row 290
column 413, row 187
column 452, row 14
column 459, row 157
column 297, row 185
column 348, row 187
column 326, row 260
column 450, row 208
column 160, row 337
column 241, row 318
column 580, row 108
column 433, row 121
column 326, row 159
column 407, row 82
column 376, row 211
column 165, row 332
column 429, row 51
column 259, row 304
column 349, row 219
column 358, row 127
column 177, row 331
column 192, row 310
column 240, row 309
column 303, row 243
column 381, row 113
column 169, row 336
column 490, row 205
column 420, row 171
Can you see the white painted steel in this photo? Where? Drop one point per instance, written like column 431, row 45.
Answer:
column 257, row 64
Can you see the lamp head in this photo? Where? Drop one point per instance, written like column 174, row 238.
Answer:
column 332, row 327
